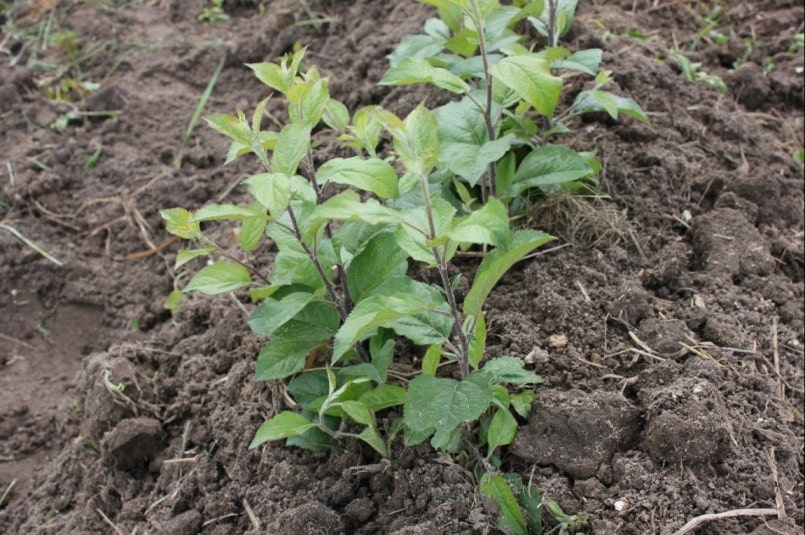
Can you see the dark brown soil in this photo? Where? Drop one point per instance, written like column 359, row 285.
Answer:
column 672, row 349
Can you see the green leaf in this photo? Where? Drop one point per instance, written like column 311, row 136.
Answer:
column 430, row 362
column 179, row 222
column 232, row 127
column 430, row 327
column 278, row 76
column 530, row 502
column 504, row 175
column 549, row 165
column 521, row 402
column 530, row 77
column 279, row 309
column 418, row 46
column 251, row 231
column 373, row 438
column 347, row 206
column 291, row 343
column 511, row 518
column 308, row 100
column 418, row 145
column 383, row 397
column 219, row 278
column 566, row 10
column 478, row 341
column 283, row 425
column 373, row 174
column 418, row 70
column 292, row 145
column 487, row 225
column 380, row 260
column 352, row 237
column 358, row 411
column 365, row 129
column 439, row 405
column 373, row 312
column 463, row 43
column 174, row 299
column 186, row 255
column 381, row 351
column 509, row 370
column 313, row 439
column 597, row 100
column 336, row 115
column 272, row 190
column 218, row 212
column 465, row 146
column 413, row 236
column 585, row 61
column 502, row 429
column 497, row 263
column 307, row 387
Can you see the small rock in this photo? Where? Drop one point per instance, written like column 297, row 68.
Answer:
column 360, row 510
column 308, row 519
column 187, row 523
column 134, row 442
column 665, row 336
column 557, row 341
column 109, row 98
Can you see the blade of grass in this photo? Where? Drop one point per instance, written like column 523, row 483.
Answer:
column 30, row 244
column 7, row 492
column 203, row 101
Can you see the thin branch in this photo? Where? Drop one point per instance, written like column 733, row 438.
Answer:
column 314, row 257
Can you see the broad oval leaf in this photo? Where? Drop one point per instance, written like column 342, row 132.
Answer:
column 418, row 144
column 372, row 174
column 419, row 70
column 272, row 190
column 549, row 165
column 293, row 143
column 530, row 77
column 219, row 278
column 597, row 100
column 179, row 222
column 384, row 396
column 218, row 212
column 439, row 405
column 275, row 312
column 373, row 312
column 283, row 425
column 502, row 429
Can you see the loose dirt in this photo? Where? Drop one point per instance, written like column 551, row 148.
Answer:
column 671, row 344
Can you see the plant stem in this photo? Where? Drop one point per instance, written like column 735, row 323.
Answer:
column 553, row 38
column 490, row 128
column 463, row 356
column 251, row 268
column 314, row 257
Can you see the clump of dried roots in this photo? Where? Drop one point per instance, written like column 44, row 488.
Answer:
column 582, row 220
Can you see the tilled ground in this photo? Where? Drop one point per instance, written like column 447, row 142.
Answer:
column 670, row 333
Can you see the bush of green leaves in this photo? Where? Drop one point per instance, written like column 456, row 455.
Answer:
column 348, row 231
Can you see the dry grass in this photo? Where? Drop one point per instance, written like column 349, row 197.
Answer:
column 582, row 220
